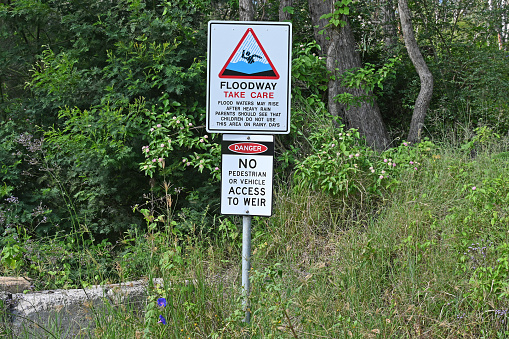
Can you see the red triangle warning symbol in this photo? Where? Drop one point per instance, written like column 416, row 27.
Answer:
column 249, row 60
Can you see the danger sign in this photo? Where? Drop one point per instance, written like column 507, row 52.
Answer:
column 248, row 83
column 247, row 174
column 247, row 148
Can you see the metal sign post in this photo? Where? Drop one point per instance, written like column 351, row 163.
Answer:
column 248, row 91
column 246, row 264
column 246, row 189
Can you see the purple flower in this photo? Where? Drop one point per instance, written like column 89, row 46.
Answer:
column 162, row 320
column 161, row 302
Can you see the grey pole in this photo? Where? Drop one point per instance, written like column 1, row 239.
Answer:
column 246, row 263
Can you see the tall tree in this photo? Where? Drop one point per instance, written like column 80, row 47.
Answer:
column 246, row 10
column 388, row 21
column 424, row 98
column 284, row 15
column 339, row 44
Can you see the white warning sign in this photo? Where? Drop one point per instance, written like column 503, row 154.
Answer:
column 247, row 174
column 248, row 83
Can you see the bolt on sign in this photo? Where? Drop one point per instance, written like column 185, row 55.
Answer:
column 246, row 174
column 248, row 81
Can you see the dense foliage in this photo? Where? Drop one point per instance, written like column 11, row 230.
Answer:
column 102, row 110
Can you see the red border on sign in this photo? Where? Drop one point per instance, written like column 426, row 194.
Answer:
column 263, row 148
column 247, row 76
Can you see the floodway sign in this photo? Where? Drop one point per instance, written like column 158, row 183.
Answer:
column 247, row 171
column 248, row 78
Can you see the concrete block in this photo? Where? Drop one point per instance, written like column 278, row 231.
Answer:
column 71, row 312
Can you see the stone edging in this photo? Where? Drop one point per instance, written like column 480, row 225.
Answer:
column 73, row 310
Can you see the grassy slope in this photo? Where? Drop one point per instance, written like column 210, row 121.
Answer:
column 398, row 267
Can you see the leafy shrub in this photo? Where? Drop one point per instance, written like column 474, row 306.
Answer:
column 341, row 165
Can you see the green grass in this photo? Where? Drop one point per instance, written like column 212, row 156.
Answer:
column 398, row 266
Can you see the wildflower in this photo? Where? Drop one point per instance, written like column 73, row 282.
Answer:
column 332, row 145
column 206, row 136
column 216, row 169
column 162, row 320
column 178, row 121
column 184, row 160
column 160, row 159
column 357, row 154
column 350, row 156
column 162, row 145
column 381, row 177
column 158, row 125
column 383, row 172
column 154, row 160
column 390, row 164
column 385, row 160
column 201, row 140
column 190, row 124
column 411, row 162
column 415, row 168
column 372, row 171
column 405, row 144
column 152, row 129
column 188, row 164
column 474, row 188
column 161, row 302
column 393, row 164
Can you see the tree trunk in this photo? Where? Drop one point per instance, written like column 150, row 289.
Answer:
column 342, row 56
column 284, row 16
column 338, row 43
column 424, row 98
column 316, row 9
column 246, row 10
column 389, row 24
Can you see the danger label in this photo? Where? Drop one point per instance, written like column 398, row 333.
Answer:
column 248, row 148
